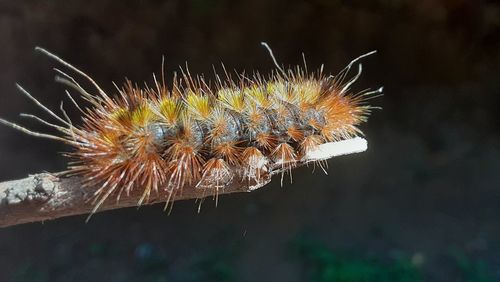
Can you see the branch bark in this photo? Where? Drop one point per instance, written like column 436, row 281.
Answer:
column 46, row 196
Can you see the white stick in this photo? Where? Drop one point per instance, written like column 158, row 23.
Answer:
column 340, row 148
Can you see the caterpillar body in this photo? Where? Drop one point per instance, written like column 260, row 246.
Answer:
column 200, row 133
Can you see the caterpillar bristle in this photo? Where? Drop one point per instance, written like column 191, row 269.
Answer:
column 255, row 165
column 203, row 134
column 284, row 156
column 216, row 174
column 309, row 144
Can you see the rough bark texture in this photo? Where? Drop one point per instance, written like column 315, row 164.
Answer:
column 46, row 196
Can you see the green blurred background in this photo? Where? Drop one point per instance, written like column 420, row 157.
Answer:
column 422, row 204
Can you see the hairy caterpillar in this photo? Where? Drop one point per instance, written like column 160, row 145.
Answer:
column 200, row 133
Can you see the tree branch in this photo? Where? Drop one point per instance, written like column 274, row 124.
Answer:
column 46, row 196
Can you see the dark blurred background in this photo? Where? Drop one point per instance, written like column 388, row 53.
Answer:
column 422, row 203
